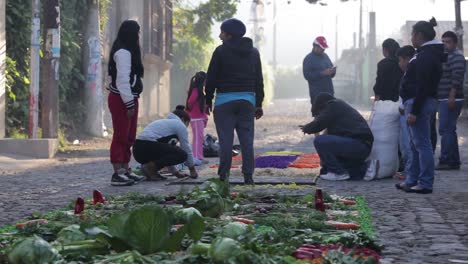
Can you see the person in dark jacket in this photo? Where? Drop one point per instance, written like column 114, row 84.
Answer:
column 348, row 141
column 318, row 69
column 450, row 95
column 235, row 73
column 419, row 93
column 387, row 83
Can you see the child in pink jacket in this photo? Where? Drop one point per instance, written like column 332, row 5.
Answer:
column 196, row 108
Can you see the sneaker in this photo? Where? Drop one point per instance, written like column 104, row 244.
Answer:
column 121, row 180
column 335, row 177
column 419, row 189
column 137, row 178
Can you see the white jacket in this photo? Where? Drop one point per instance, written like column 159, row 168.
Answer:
column 169, row 130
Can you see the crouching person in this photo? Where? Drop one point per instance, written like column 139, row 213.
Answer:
column 155, row 147
column 345, row 147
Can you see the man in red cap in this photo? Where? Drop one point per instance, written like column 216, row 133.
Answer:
column 318, row 69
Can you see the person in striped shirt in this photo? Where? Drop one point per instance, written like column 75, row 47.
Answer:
column 450, row 96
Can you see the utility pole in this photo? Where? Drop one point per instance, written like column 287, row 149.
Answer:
column 459, row 24
column 35, row 69
column 50, row 70
column 92, row 58
column 274, row 35
column 361, row 40
column 336, row 38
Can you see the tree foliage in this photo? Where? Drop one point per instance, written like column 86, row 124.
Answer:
column 18, row 38
column 193, row 43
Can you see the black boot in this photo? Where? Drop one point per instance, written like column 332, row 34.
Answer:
column 248, row 179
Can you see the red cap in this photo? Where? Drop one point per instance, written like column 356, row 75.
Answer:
column 321, row 41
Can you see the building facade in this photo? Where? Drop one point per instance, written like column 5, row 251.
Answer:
column 155, row 19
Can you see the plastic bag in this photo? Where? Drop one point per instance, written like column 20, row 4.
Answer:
column 385, row 126
column 210, row 146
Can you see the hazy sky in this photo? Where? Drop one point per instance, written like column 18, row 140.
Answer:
column 299, row 22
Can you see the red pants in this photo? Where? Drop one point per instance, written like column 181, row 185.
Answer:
column 124, row 129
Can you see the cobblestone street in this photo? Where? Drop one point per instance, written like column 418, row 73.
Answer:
column 414, row 228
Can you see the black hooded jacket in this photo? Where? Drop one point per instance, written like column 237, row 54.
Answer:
column 387, row 83
column 339, row 119
column 422, row 77
column 235, row 67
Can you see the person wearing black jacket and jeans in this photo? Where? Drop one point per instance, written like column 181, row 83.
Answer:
column 348, row 142
column 235, row 73
column 419, row 93
column 387, row 82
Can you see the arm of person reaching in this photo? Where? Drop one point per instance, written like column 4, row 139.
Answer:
column 182, row 134
column 259, row 88
column 211, row 77
column 321, row 122
column 123, row 62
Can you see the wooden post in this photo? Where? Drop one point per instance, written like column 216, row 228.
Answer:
column 50, row 70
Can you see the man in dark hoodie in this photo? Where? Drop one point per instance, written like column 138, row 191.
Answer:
column 347, row 143
column 235, row 73
column 419, row 93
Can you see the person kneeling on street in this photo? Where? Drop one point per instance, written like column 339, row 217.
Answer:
column 155, row 147
column 345, row 147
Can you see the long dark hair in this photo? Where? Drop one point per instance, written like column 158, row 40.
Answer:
column 197, row 82
column 426, row 28
column 392, row 46
column 128, row 39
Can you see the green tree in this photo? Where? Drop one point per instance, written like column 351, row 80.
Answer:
column 193, row 43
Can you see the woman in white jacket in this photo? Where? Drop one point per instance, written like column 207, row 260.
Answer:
column 125, row 72
column 155, row 147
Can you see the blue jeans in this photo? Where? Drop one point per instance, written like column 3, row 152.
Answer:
column 405, row 145
column 422, row 166
column 449, row 153
column 342, row 155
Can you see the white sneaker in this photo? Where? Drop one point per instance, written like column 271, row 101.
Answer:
column 335, row 177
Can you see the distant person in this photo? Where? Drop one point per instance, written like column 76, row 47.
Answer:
column 318, row 69
column 196, row 108
column 125, row 70
column 387, row 83
column 450, row 95
column 235, row 73
column 156, row 146
column 346, row 146
column 405, row 54
column 419, row 91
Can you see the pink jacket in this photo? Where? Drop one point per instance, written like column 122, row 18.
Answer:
column 194, row 109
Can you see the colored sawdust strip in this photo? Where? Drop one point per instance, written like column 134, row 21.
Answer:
column 280, row 153
column 273, row 161
column 306, row 161
column 365, row 217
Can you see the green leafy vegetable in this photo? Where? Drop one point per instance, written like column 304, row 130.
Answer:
column 33, row 250
column 236, row 229
column 223, row 249
column 70, row 234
